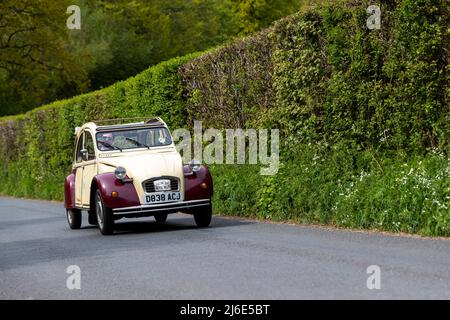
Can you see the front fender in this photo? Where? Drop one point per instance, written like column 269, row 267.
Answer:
column 193, row 184
column 127, row 194
column 69, row 191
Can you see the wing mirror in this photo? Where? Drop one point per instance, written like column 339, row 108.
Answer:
column 84, row 154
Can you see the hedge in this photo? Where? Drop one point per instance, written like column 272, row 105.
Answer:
column 324, row 76
column 364, row 118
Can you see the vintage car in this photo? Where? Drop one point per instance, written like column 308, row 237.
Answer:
column 133, row 170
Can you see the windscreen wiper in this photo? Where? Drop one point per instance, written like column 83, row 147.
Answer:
column 106, row 144
column 139, row 144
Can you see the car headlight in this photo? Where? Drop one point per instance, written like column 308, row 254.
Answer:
column 120, row 173
column 195, row 165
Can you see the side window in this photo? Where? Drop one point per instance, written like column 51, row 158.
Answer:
column 79, row 147
column 89, row 145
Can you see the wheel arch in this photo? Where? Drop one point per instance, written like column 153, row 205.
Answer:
column 69, row 191
column 94, row 188
column 193, row 182
column 106, row 183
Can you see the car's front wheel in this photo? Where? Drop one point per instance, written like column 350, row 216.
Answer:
column 203, row 217
column 105, row 217
column 74, row 218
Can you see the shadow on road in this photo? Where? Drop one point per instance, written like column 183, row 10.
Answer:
column 55, row 241
column 184, row 223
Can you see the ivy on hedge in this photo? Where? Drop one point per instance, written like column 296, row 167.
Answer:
column 324, row 76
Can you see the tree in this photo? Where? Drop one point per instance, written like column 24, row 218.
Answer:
column 35, row 61
column 257, row 14
column 124, row 37
column 41, row 60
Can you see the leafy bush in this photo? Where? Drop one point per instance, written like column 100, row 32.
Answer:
column 319, row 186
column 228, row 87
column 410, row 197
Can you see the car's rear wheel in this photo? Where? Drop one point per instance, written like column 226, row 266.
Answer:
column 203, row 217
column 105, row 217
column 74, row 218
column 161, row 217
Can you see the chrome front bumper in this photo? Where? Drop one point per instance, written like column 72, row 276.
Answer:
column 150, row 210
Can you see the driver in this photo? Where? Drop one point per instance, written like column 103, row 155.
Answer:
column 107, row 138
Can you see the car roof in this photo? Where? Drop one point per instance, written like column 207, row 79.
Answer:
column 96, row 127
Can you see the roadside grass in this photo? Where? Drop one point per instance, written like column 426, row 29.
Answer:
column 410, row 196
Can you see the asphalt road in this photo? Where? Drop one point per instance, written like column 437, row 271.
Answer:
column 233, row 259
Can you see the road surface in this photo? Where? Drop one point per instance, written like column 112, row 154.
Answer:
column 233, row 259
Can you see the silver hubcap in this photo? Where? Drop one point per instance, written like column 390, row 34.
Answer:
column 99, row 212
column 70, row 216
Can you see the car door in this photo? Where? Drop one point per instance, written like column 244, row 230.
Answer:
column 89, row 168
column 78, row 167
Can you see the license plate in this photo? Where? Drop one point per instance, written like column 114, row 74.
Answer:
column 163, row 197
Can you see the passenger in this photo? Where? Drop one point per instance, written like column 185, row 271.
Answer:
column 107, row 138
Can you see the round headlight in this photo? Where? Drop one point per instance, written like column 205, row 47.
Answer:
column 120, row 173
column 195, row 165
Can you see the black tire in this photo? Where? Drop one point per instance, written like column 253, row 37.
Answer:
column 104, row 215
column 74, row 218
column 92, row 219
column 161, row 217
column 203, row 217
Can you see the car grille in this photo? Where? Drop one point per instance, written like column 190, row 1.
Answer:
column 149, row 186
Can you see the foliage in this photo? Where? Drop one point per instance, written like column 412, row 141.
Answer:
column 122, row 38
column 411, row 197
column 399, row 195
column 41, row 60
column 324, row 76
column 351, row 104
column 228, row 86
column 35, row 61
column 257, row 14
